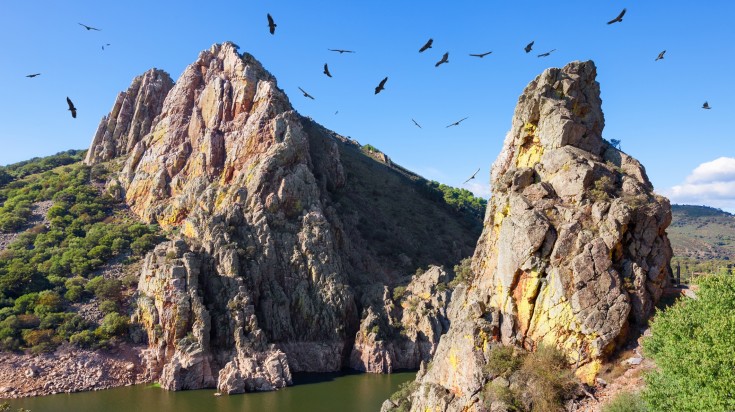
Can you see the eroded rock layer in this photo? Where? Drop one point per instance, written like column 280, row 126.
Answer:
column 574, row 250
column 289, row 234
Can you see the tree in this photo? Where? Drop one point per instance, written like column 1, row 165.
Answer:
column 693, row 344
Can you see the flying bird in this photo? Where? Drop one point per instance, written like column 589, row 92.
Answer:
column 72, row 109
column 306, row 94
column 381, row 86
column 33, row 75
column 529, row 46
column 546, row 54
column 445, row 59
column 472, row 177
column 103, row 46
column 660, row 55
column 426, row 46
column 480, row 55
column 619, row 18
column 326, row 70
column 457, row 122
column 340, row 51
column 271, row 24
column 417, row 125
column 706, row 106
column 89, row 27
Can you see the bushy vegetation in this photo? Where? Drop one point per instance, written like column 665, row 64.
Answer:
column 461, row 199
column 48, row 268
column 462, row 273
column 401, row 397
column 693, row 345
column 542, row 379
column 625, row 402
column 25, row 168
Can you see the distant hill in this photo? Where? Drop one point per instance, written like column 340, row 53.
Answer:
column 702, row 232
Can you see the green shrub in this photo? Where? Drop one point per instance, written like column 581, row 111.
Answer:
column 693, row 345
column 84, row 339
column 114, row 324
column 502, row 361
column 398, row 293
column 625, row 402
column 108, row 306
column 462, row 273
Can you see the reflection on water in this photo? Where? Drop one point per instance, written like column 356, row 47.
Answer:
column 311, row 392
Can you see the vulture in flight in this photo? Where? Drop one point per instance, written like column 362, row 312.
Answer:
column 426, row 46
column 445, row 59
column 706, row 106
column 271, row 24
column 88, row 27
column 547, row 53
column 417, row 125
column 72, row 109
column 103, row 46
column 306, row 94
column 326, row 70
column 480, row 55
column 529, row 46
column 660, row 55
column 33, row 75
column 457, row 122
column 381, row 86
column 619, row 18
column 472, row 177
column 340, row 51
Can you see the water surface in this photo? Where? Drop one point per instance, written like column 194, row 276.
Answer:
column 311, row 392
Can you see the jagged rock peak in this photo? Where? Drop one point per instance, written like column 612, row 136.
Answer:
column 573, row 253
column 132, row 117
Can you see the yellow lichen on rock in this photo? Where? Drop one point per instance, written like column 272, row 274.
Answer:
column 588, row 372
column 530, row 152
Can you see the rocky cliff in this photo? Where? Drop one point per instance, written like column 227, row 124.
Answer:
column 289, row 240
column 131, row 117
column 574, row 251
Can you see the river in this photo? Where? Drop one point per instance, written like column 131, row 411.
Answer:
column 311, row 392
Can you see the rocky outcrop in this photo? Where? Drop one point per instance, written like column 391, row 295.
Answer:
column 132, row 117
column 287, row 231
column 402, row 331
column 574, row 252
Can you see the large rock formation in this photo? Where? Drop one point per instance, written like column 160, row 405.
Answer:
column 131, row 117
column 574, row 251
column 289, row 235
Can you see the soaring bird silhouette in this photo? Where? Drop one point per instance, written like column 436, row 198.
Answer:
column 546, row 54
column 472, row 177
column 660, row 55
column 72, row 109
column 33, row 75
column 619, row 18
column 271, row 24
column 706, row 106
column 529, row 46
column 445, row 59
column 340, row 51
column 417, row 125
column 306, row 94
column 480, row 55
column 381, row 86
column 426, row 46
column 457, row 122
column 326, row 70
column 103, row 46
column 89, row 27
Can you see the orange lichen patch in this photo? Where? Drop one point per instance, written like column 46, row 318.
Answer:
column 524, row 294
column 176, row 216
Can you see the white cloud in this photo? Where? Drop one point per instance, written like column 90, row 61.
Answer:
column 478, row 189
column 711, row 183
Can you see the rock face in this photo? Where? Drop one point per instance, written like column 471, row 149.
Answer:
column 288, row 234
column 131, row 118
column 574, row 251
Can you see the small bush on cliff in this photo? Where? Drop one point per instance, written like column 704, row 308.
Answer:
column 693, row 345
column 402, row 397
column 502, row 361
column 548, row 379
column 462, row 273
column 625, row 402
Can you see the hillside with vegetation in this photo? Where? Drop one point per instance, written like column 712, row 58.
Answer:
column 54, row 286
column 703, row 239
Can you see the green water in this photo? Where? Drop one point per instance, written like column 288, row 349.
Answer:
column 312, row 392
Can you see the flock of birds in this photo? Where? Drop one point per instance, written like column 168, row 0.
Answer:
column 381, row 86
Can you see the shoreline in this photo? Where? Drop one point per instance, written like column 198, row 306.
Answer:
column 70, row 369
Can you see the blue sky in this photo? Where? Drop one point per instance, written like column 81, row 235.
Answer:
column 653, row 107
